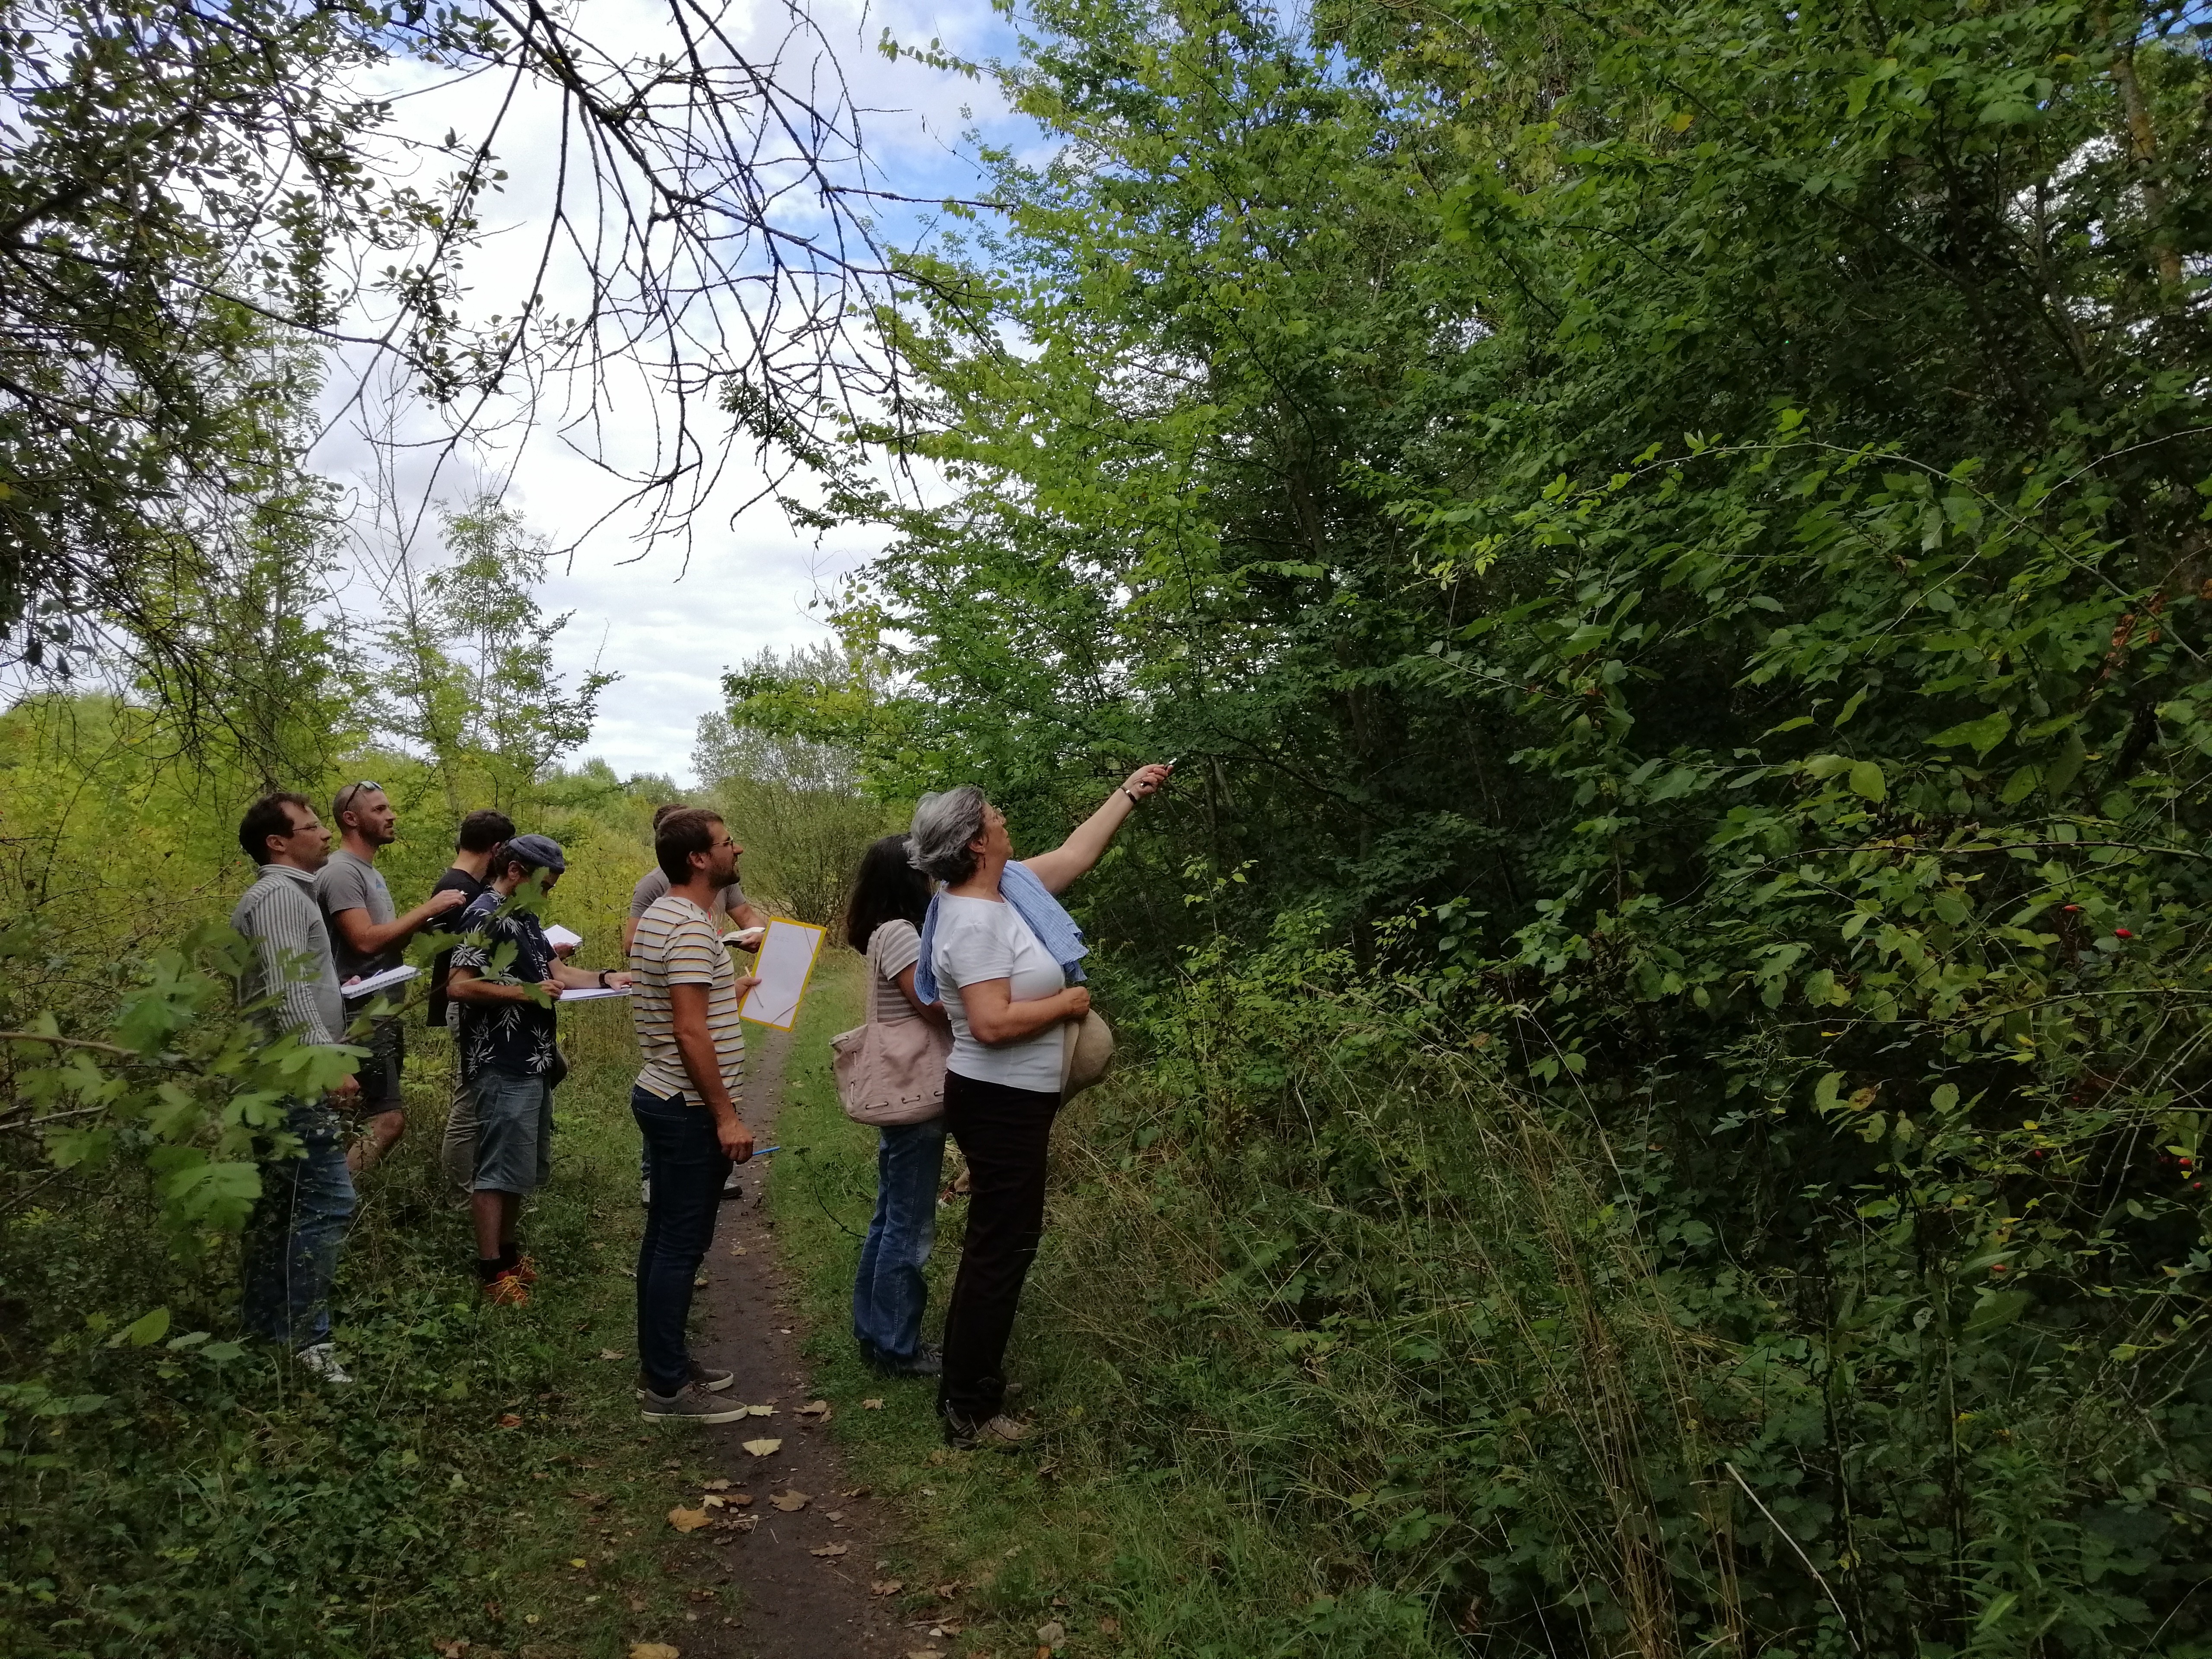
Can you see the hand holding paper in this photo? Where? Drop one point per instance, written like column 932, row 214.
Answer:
column 787, row 958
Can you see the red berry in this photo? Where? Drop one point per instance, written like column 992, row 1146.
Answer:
column 2073, row 909
column 2122, row 933
column 1996, row 1267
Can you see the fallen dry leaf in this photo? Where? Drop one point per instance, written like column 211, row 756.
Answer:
column 652, row 1651
column 946, row 1592
column 578, row 1561
column 1110, row 1628
column 509, row 1420
column 715, row 1486
column 713, row 1501
column 788, row 1501
column 830, row 1549
column 924, row 1653
column 763, row 1447
column 608, row 1353
column 762, row 1410
column 814, row 1408
column 1052, row 1633
column 741, row 1499
column 871, row 1405
column 737, row 1250
column 887, row 1586
column 685, row 1520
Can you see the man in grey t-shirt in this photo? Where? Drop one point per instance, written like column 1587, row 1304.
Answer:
column 653, row 887
column 368, row 936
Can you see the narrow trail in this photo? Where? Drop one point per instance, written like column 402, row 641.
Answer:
column 792, row 1600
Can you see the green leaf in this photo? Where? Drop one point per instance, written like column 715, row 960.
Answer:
column 143, row 1331
column 1996, row 1309
column 1984, row 734
column 1867, row 779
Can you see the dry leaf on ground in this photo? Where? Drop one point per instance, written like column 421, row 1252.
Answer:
column 652, row 1651
column 871, row 1405
column 713, row 1501
column 924, row 1653
column 763, row 1447
column 1110, row 1628
column 787, row 1501
column 509, row 1420
column 714, row 1485
column 762, row 1410
column 886, row 1586
column 1052, row 1633
column 685, row 1520
column 830, row 1549
column 814, row 1408
column 608, row 1353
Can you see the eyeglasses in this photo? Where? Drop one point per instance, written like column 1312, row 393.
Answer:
column 351, row 793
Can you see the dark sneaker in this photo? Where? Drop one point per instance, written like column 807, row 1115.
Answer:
column 691, row 1404
column 1001, row 1433
column 927, row 1360
column 731, row 1188
column 713, row 1381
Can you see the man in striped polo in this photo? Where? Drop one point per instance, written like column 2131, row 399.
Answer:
column 684, row 996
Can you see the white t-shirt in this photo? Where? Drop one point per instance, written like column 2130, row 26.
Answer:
column 983, row 938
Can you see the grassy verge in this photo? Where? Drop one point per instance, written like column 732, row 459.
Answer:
column 1126, row 1551
column 486, row 1480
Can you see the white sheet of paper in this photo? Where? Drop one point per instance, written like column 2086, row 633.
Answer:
column 556, row 934
column 593, row 993
column 787, row 957
column 369, row 985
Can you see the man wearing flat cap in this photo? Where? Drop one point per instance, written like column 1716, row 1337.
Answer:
column 505, row 980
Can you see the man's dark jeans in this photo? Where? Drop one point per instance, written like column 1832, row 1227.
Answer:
column 1005, row 1134
column 689, row 1168
column 293, row 1238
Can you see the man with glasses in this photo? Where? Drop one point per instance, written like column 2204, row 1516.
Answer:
column 300, row 1221
column 368, row 936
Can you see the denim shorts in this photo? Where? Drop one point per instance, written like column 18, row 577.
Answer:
column 514, row 1132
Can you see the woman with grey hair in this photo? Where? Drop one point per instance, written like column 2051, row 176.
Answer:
column 1005, row 960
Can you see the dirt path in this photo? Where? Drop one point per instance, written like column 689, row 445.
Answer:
column 794, row 1603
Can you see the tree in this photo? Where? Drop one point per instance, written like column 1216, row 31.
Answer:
column 472, row 683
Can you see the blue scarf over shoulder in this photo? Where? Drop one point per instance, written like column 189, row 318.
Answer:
column 1034, row 903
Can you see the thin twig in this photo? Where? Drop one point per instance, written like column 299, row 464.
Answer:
column 1799, row 1554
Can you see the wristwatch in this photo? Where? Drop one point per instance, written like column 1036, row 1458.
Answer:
column 604, row 972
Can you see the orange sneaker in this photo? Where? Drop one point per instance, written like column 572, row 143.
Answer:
column 507, row 1291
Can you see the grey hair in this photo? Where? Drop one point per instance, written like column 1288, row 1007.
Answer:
column 944, row 824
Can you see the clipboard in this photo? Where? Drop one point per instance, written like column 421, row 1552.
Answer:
column 784, row 965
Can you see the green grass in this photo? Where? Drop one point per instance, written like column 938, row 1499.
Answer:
column 222, row 1509
column 1129, row 1553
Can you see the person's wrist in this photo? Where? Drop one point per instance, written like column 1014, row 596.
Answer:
column 1133, row 796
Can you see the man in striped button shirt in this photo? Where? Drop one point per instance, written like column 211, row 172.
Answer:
column 292, row 1241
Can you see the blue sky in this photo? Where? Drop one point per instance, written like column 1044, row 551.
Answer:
column 666, row 621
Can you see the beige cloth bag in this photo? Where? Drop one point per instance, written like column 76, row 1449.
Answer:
column 1088, row 1055
column 890, row 1074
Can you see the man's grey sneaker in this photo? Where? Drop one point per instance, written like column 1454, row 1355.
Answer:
column 1001, row 1433
column 322, row 1358
column 645, row 1191
column 712, row 1381
column 730, row 1187
column 691, row 1404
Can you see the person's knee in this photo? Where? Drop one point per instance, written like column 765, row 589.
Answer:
column 388, row 1125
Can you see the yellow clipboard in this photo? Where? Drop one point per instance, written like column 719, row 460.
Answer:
column 784, row 965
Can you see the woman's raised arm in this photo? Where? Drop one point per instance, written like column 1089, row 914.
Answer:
column 1058, row 868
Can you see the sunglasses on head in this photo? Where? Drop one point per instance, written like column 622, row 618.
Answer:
column 351, row 793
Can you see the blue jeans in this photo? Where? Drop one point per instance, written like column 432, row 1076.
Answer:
column 889, row 1292
column 689, row 1168
column 292, row 1238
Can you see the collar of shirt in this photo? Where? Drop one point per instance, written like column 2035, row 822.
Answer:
column 292, row 870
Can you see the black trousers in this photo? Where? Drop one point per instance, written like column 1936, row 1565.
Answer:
column 1004, row 1133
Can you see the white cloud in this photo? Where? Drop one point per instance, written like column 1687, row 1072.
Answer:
column 667, row 618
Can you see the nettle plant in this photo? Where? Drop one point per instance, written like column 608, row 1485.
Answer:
column 178, row 1081
column 1876, row 943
